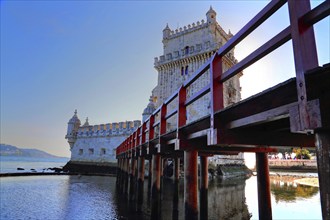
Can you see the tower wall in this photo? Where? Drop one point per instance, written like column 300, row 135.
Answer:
column 185, row 51
column 97, row 143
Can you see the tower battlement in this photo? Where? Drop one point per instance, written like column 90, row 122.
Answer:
column 108, row 130
column 193, row 40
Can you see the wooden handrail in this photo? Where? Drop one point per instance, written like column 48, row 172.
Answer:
column 307, row 17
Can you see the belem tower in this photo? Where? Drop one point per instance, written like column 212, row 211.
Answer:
column 184, row 51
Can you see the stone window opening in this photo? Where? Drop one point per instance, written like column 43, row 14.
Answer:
column 103, row 151
column 81, row 151
column 186, row 71
column 91, row 151
column 186, row 50
column 182, row 71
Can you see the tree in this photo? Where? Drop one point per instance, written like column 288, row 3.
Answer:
column 302, row 153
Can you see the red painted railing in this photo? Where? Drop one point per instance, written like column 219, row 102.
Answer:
column 302, row 19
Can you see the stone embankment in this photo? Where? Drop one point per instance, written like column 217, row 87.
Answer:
column 293, row 165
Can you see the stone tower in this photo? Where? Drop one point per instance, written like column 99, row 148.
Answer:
column 73, row 126
column 185, row 51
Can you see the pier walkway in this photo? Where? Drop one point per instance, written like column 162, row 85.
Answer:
column 293, row 113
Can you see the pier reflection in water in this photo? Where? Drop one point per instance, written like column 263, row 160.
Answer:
column 88, row 197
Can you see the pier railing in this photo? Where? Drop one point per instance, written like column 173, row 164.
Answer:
column 293, row 113
column 305, row 55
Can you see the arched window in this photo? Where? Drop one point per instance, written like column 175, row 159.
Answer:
column 182, row 71
column 186, row 71
column 186, row 50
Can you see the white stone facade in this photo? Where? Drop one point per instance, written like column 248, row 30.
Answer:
column 97, row 143
column 185, row 51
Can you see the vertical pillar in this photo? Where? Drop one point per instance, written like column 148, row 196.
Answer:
column 118, row 171
column 323, row 167
column 191, row 185
column 264, row 203
column 150, row 173
column 140, row 182
column 155, row 193
column 203, row 200
column 176, row 167
column 132, row 179
column 126, row 176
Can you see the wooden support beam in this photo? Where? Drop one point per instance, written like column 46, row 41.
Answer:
column 322, row 138
column 191, row 185
column 155, row 192
column 264, row 202
column 176, row 168
column 125, row 191
column 132, row 179
column 204, row 183
column 262, row 138
column 305, row 56
column 140, row 183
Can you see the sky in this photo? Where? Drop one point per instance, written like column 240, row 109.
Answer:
column 98, row 57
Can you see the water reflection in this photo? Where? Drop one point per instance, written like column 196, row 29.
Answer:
column 289, row 191
column 88, row 197
column 225, row 200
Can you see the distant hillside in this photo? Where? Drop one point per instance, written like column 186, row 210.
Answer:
column 9, row 150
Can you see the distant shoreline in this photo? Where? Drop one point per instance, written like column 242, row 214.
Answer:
column 52, row 174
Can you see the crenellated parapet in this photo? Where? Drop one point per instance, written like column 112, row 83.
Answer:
column 193, row 48
column 108, row 130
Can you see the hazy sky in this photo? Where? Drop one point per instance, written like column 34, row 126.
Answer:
column 97, row 57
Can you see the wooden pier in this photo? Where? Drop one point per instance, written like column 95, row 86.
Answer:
column 293, row 113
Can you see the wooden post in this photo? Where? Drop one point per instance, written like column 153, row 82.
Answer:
column 204, row 187
column 264, row 203
column 132, row 179
column 140, row 182
column 150, row 173
column 126, row 176
column 191, row 184
column 175, row 210
column 176, row 169
column 323, row 167
column 305, row 56
column 118, row 171
column 155, row 192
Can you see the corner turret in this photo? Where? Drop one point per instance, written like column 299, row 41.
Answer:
column 166, row 32
column 73, row 126
column 148, row 110
column 211, row 16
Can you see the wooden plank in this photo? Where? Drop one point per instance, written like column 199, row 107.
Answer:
column 259, row 53
column 305, row 55
column 198, row 95
column 316, row 14
column 257, row 20
column 197, row 74
column 269, row 138
column 266, row 116
column 170, row 114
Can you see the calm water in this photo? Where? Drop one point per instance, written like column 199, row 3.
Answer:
column 10, row 164
column 93, row 197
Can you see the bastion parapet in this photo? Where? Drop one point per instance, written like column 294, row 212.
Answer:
column 108, row 130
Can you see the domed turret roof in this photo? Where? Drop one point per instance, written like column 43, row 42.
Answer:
column 167, row 28
column 74, row 119
column 86, row 123
column 150, row 108
column 211, row 11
